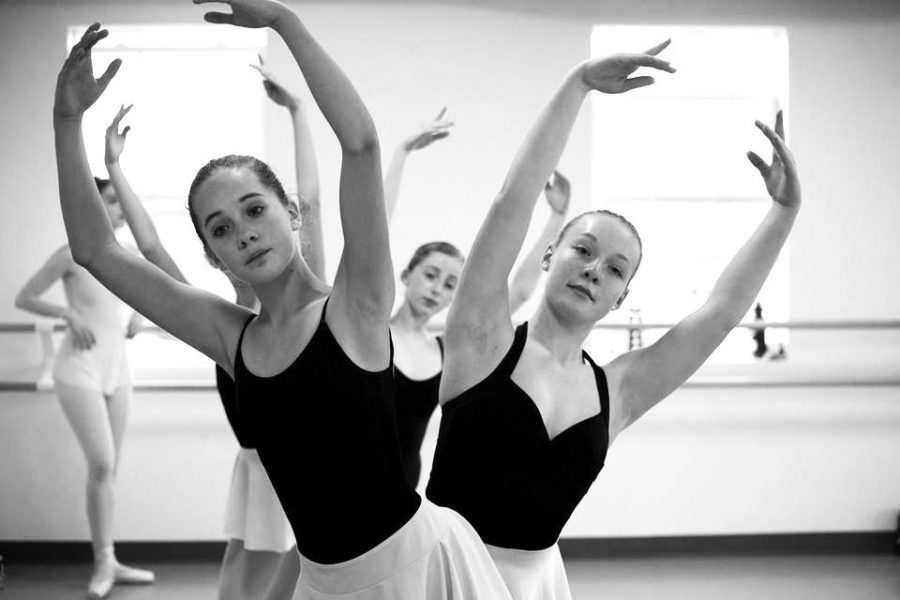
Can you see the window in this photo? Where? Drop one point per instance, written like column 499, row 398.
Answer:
column 195, row 98
column 671, row 159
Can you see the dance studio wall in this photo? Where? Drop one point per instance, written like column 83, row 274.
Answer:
column 710, row 460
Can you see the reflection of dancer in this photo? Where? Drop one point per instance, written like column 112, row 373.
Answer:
column 322, row 418
column 93, row 381
column 430, row 280
column 527, row 415
column 260, row 559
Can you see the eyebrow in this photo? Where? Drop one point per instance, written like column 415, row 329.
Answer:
column 596, row 240
column 216, row 213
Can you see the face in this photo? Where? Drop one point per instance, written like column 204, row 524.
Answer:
column 113, row 208
column 245, row 225
column 431, row 283
column 589, row 270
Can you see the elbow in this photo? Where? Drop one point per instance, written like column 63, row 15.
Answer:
column 365, row 144
column 22, row 301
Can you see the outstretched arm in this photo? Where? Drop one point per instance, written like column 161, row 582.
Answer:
column 429, row 132
column 136, row 215
column 479, row 325
column 307, row 169
column 640, row 379
column 203, row 320
column 558, row 192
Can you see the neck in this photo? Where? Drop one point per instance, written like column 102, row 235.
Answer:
column 281, row 298
column 561, row 337
column 407, row 319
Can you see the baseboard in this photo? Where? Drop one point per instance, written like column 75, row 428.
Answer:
column 853, row 542
column 862, row 542
column 81, row 551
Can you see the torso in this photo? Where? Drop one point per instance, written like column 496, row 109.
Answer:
column 563, row 395
column 325, row 430
column 416, row 354
column 516, row 465
column 99, row 307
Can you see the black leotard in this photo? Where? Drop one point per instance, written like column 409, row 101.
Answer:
column 225, row 385
column 326, row 433
column 416, row 400
column 497, row 467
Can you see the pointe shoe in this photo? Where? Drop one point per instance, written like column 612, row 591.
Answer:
column 101, row 582
column 125, row 574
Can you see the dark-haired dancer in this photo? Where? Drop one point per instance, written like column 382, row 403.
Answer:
column 313, row 368
column 93, row 381
column 527, row 415
column 429, row 281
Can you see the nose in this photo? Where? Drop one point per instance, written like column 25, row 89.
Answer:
column 591, row 273
column 246, row 237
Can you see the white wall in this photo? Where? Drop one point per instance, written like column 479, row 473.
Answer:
column 494, row 67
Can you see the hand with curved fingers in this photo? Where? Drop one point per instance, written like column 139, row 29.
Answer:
column 82, row 336
column 252, row 14
column 780, row 177
column 276, row 91
column 76, row 88
column 428, row 133
column 612, row 75
column 134, row 325
column 115, row 140
column 558, row 192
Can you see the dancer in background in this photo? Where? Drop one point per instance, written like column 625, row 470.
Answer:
column 93, row 381
column 527, row 415
column 429, row 281
column 313, row 369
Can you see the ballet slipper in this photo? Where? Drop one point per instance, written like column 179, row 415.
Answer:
column 101, row 581
column 132, row 575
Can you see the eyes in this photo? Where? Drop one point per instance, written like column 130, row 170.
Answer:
column 585, row 252
column 253, row 211
column 431, row 275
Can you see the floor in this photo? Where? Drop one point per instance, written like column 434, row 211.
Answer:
column 852, row 577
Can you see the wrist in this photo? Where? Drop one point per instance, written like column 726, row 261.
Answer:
column 285, row 19
column 66, row 121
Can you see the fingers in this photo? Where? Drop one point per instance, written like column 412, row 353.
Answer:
column 110, row 72
column 96, row 37
column 637, row 82
column 440, row 115
column 759, row 163
column 262, row 61
column 126, row 130
column 779, row 123
column 777, row 142
column 648, row 60
column 659, row 47
column 217, row 17
column 439, row 135
column 86, row 36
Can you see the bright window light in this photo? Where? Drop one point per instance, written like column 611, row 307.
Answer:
column 671, row 159
column 195, row 98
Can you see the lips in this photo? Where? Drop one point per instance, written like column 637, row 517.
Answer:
column 429, row 302
column 583, row 290
column 257, row 255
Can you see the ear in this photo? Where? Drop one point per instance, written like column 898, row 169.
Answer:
column 404, row 276
column 620, row 300
column 294, row 211
column 546, row 258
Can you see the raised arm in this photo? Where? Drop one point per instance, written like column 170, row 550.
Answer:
column 205, row 321
column 307, row 169
column 363, row 293
column 429, row 132
column 558, row 192
column 136, row 215
column 479, row 325
column 640, row 379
